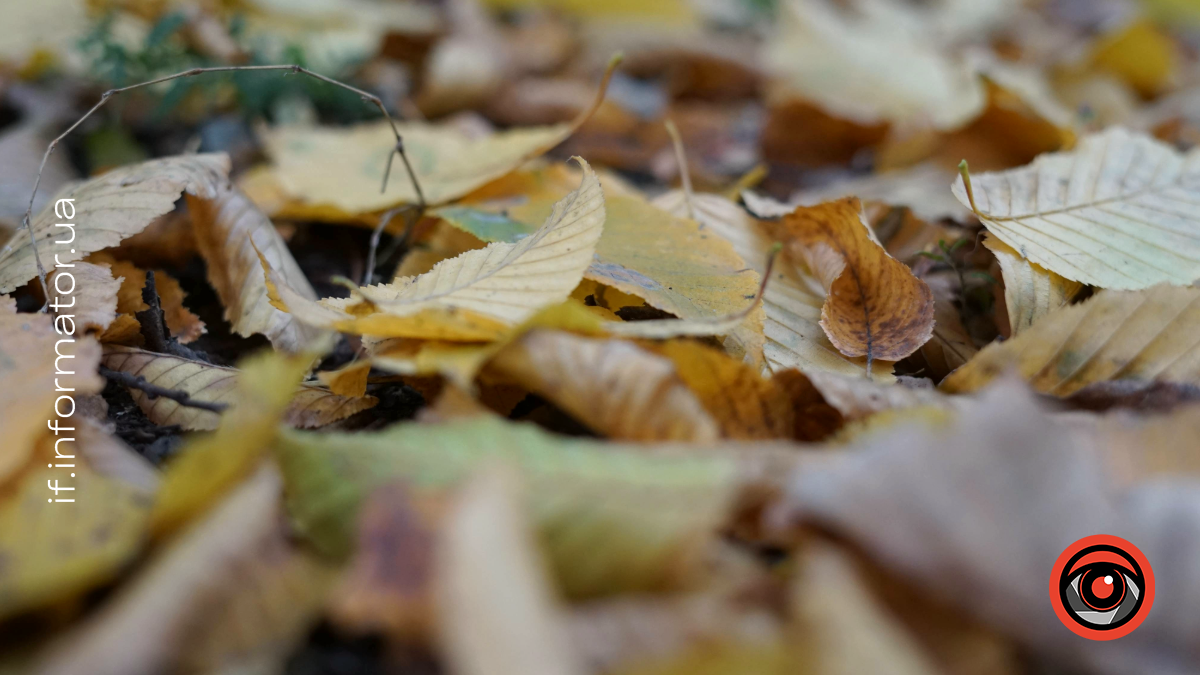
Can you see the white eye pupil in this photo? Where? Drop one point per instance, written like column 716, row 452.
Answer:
column 1108, row 580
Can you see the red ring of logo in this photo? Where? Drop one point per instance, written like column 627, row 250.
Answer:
column 1060, row 579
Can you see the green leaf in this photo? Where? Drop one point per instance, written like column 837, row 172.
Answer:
column 487, row 226
column 610, row 517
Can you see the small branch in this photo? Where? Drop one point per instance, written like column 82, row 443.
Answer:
column 154, row 326
column 367, row 97
column 413, row 215
column 154, row 391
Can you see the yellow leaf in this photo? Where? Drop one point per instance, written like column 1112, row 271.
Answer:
column 54, row 551
column 181, row 322
column 874, row 306
column 1117, row 212
column 1146, row 336
column 509, row 282
column 1030, row 290
column 744, row 404
column 208, row 466
column 500, row 618
column 234, row 588
column 612, row 386
column 29, row 365
column 342, row 167
column 232, row 234
column 310, row 407
column 1140, row 54
column 107, row 209
column 349, row 380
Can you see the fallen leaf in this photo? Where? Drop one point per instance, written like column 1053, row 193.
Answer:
column 743, row 402
column 388, row 586
column 107, row 209
column 349, row 380
column 501, row 617
column 94, row 305
column 209, row 466
column 1030, row 290
column 182, row 324
column 233, row 587
column 29, row 366
column 613, row 386
column 232, row 234
column 342, row 168
column 1114, row 213
column 111, row 458
column 872, row 62
column 309, row 408
column 1140, row 54
column 841, row 627
column 791, row 305
column 509, row 281
column 972, row 512
column 874, row 306
column 56, row 551
column 637, row 520
column 1145, row 336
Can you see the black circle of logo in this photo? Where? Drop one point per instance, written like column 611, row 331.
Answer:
column 1101, row 587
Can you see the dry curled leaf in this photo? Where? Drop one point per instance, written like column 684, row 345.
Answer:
column 232, row 234
column 107, row 209
column 1144, row 336
column 311, row 406
column 1116, row 212
column 874, row 306
column 1030, row 290
column 615, row 387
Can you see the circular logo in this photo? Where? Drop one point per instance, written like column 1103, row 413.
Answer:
column 1101, row 587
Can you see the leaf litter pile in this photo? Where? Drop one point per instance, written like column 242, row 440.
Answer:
column 800, row 337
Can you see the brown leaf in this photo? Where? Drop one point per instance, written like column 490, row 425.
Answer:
column 875, row 307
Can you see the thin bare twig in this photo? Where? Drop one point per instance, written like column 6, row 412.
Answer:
column 368, row 97
column 154, row 391
column 685, row 176
column 414, row 213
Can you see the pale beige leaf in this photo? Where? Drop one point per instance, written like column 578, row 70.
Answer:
column 791, row 302
column 499, row 618
column 613, row 386
column 229, row 229
column 858, row 398
column 844, row 628
column 974, row 511
column 107, row 209
column 872, row 62
column 1030, row 290
column 94, row 296
column 510, row 281
column 311, row 406
column 1119, row 211
column 1144, row 336
column 921, row 188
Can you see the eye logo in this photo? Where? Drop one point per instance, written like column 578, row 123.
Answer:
column 1102, row 587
